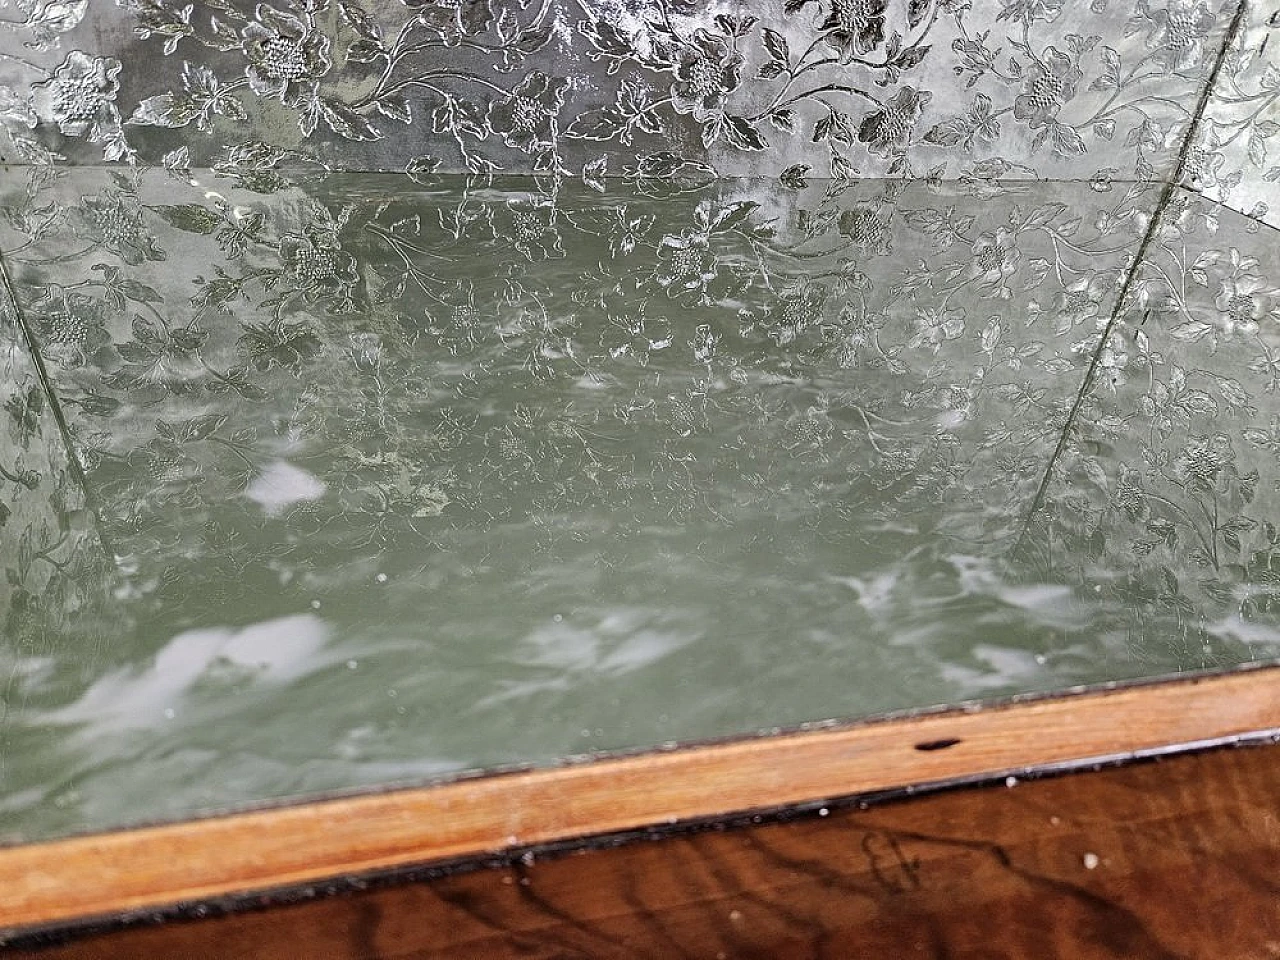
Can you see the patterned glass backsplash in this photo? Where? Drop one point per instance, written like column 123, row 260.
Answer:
column 398, row 388
column 978, row 89
column 376, row 479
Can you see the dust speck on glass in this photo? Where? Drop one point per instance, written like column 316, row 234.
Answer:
column 398, row 388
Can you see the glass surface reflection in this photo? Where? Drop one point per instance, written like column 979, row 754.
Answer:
column 376, row 480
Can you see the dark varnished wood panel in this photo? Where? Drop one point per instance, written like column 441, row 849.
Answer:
column 1187, row 865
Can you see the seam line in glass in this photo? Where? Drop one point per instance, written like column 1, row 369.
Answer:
column 8, row 291
column 1153, row 229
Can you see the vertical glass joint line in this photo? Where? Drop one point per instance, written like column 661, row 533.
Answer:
column 9, row 291
column 1153, row 230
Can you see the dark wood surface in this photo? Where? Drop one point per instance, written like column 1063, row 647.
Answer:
column 1175, row 858
column 110, row 874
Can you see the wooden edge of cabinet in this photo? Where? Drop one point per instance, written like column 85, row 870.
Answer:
column 119, row 873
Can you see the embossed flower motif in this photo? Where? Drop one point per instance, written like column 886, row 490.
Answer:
column 317, row 265
column 1202, row 460
column 509, row 444
column 1078, row 302
column 683, row 412
column 1129, row 494
column 534, row 232
column 688, row 264
column 888, row 130
column 465, row 318
column 526, row 118
column 167, row 465
column 936, row 326
column 1242, row 301
column 285, row 54
column 995, row 258
column 456, row 320
column 72, row 329
column 80, row 95
column 958, row 403
column 799, row 308
column 1050, row 83
column 114, row 220
column 1178, row 34
column 707, row 70
column 855, row 27
column 1204, row 162
column 863, row 226
column 279, row 343
column 808, row 431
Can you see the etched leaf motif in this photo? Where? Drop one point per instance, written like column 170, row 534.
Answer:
column 603, row 124
column 1192, row 330
column 776, row 45
column 190, row 217
column 784, row 120
column 165, row 110
column 190, row 431
column 593, row 174
column 732, row 215
column 397, row 108
column 949, row 132
column 743, row 134
column 1037, row 269
column 771, row 70
column 360, row 21
column 715, row 76
column 793, row 176
column 1233, row 392
column 366, row 51
column 345, row 122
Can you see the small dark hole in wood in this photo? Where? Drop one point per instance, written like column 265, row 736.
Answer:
column 936, row 744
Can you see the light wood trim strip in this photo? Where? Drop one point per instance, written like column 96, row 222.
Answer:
column 130, row 870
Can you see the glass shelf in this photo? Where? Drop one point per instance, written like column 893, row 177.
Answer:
column 338, row 482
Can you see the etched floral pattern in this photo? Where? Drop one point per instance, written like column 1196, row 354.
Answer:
column 1235, row 157
column 286, row 55
column 1050, row 85
column 842, row 88
column 79, row 97
column 707, row 70
column 53, row 565
column 970, row 317
column 1179, row 520
column 780, row 263
column 526, row 119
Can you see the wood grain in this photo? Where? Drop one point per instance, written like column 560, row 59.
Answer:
column 1178, row 858
column 135, row 870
